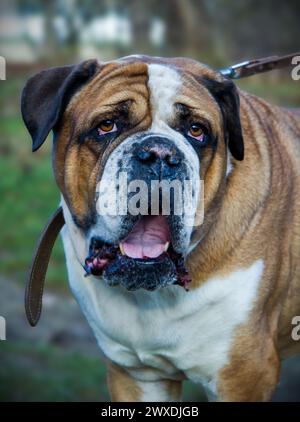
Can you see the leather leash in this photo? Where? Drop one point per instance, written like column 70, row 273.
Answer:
column 253, row 67
column 39, row 265
column 40, row 261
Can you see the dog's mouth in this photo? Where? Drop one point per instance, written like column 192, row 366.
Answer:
column 145, row 258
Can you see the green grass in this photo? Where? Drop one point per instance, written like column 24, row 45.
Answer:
column 28, row 197
column 46, row 373
column 285, row 93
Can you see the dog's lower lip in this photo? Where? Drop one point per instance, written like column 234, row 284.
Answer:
column 149, row 261
column 101, row 258
column 147, row 244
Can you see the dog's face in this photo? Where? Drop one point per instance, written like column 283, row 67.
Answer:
column 149, row 120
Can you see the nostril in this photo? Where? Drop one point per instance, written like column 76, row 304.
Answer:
column 145, row 155
column 173, row 160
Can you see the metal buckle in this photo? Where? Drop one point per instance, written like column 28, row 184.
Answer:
column 234, row 72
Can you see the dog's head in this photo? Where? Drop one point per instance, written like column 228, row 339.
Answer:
column 121, row 128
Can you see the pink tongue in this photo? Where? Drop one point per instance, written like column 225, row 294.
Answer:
column 147, row 238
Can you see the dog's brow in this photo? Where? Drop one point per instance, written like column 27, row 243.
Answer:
column 119, row 104
column 187, row 111
column 104, row 109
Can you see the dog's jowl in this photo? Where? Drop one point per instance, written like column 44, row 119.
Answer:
column 168, row 297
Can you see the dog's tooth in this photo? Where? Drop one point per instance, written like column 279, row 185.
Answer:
column 166, row 247
column 121, row 249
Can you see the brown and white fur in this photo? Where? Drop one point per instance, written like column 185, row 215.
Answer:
column 230, row 331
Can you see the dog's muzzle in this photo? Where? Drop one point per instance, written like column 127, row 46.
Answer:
column 147, row 251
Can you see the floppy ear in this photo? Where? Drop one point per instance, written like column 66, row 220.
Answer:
column 46, row 95
column 226, row 95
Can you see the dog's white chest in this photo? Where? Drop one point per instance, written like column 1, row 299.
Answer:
column 168, row 333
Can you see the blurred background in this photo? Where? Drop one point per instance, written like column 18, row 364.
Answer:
column 59, row 360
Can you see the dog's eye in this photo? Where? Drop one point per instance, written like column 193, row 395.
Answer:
column 106, row 126
column 196, row 132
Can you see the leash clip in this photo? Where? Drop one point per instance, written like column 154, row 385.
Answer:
column 234, row 72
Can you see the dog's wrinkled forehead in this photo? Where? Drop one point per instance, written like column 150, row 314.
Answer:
column 150, row 88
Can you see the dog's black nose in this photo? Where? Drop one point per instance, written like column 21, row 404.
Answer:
column 155, row 149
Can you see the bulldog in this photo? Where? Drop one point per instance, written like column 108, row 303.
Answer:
column 168, row 299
